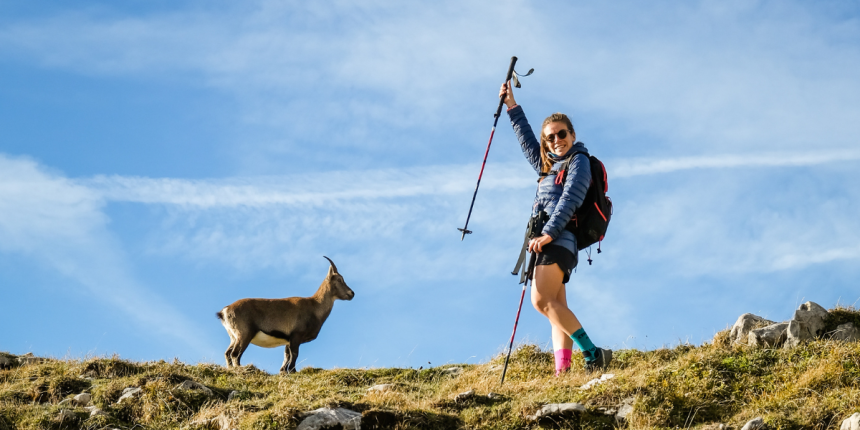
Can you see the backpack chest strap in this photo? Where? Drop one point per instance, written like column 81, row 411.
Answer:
column 561, row 173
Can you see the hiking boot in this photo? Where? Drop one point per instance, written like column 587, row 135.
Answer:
column 602, row 358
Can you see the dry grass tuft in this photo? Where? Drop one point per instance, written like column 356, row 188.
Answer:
column 815, row 385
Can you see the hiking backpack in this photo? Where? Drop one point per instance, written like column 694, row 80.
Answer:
column 591, row 219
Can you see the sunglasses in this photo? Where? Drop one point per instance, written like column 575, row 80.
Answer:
column 561, row 135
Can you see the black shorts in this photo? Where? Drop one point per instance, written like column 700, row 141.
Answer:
column 554, row 254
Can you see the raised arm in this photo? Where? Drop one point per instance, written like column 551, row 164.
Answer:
column 525, row 135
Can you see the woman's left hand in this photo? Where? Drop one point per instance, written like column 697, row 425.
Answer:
column 536, row 244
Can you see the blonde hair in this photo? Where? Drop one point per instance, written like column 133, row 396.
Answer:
column 546, row 162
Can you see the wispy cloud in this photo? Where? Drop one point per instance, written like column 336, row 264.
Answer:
column 62, row 225
column 637, row 167
column 738, row 77
column 388, row 184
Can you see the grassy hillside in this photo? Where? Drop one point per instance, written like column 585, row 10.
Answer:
column 815, row 385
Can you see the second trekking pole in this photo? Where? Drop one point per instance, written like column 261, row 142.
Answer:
column 465, row 228
column 529, row 273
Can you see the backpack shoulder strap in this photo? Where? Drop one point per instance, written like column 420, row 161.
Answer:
column 562, row 173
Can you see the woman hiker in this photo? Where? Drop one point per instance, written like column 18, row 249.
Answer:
column 556, row 246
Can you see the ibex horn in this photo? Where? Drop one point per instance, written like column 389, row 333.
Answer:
column 332, row 263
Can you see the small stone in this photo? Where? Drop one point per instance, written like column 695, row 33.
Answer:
column 191, row 385
column 754, row 424
column 29, row 358
column 462, row 397
column 607, row 411
column 82, row 399
column 743, row 326
column 129, row 393
column 603, row 378
column 770, row 336
column 327, row 417
column 232, row 395
column 95, row 411
column 66, row 415
column 381, row 388
column 494, row 396
column 453, row 371
column 851, row 423
column 557, row 409
column 625, row 409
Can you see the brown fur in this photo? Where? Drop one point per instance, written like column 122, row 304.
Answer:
column 295, row 320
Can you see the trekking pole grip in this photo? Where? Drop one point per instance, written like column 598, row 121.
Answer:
column 507, row 78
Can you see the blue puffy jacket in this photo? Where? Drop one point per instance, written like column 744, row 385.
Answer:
column 558, row 201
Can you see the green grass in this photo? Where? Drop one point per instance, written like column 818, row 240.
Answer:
column 812, row 386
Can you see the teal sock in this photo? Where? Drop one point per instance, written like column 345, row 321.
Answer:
column 584, row 343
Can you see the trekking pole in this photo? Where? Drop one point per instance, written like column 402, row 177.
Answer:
column 516, row 321
column 465, row 228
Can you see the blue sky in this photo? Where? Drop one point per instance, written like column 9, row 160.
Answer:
column 160, row 160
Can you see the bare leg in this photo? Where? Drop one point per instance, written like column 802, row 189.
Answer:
column 560, row 340
column 547, row 285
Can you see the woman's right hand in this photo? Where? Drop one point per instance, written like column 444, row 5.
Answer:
column 508, row 94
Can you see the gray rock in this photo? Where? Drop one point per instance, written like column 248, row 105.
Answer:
column 232, row 395
column 625, row 409
column 66, row 415
column 597, row 381
column 493, row 396
column 130, row 393
column 770, row 336
column 327, row 417
column 607, row 411
column 380, row 388
column 82, row 399
column 7, row 360
column 743, row 326
column 846, row 332
column 556, row 410
column 796, row 334
column 851, row 423
column 95, row 411
column 462, row 397
column 453, row 371
column 807, row 324
column 191, row 385
column 753, row 424
column 29, row 358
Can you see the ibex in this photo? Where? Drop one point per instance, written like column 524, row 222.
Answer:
column 275, row 322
